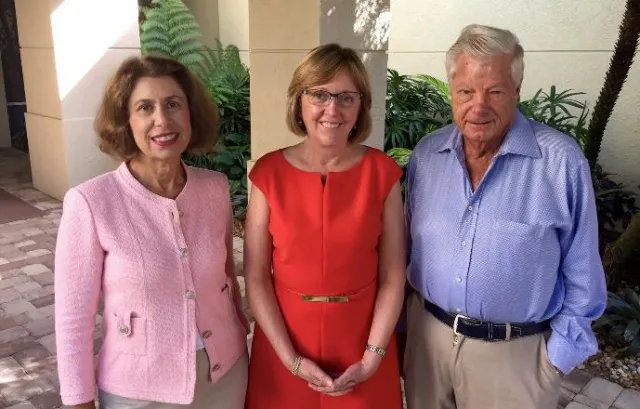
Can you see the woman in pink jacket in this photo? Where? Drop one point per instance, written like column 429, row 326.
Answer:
column 154, row 238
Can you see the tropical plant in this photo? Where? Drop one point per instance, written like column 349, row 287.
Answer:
column 622, row 318
column 230, row 90
column 555, row 109
column 415, row 106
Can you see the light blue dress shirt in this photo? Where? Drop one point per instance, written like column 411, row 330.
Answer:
column 522, row 247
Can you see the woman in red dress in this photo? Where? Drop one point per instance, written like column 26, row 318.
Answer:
column 325, row 251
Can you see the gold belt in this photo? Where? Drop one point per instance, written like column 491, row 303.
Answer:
column 324, row 298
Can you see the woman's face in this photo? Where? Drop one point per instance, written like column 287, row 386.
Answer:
column 329, row 120
column 159, row 118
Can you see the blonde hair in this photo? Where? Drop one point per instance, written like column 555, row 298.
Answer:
column 320, row 66
column 485, row 41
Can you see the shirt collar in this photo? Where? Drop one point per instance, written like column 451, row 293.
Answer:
column 520, row 140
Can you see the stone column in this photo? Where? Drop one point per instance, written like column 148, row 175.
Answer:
column 206, row 14
column 69, row 48
column 281, row 32
column 234, row 25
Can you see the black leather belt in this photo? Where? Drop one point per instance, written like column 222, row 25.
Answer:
column 485, row 330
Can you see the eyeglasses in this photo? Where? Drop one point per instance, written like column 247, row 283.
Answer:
column 323, row 98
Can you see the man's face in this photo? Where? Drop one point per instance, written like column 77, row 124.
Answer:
column 484, row 97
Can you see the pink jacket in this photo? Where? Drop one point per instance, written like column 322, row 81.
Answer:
column 160, row 265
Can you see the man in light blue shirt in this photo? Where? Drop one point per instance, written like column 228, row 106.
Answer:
column 503, row 244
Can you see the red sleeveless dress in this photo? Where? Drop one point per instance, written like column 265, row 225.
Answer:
column 325, row 242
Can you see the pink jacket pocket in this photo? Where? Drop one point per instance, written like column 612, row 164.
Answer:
column 127, row 334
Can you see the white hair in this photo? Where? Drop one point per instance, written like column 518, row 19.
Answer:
column 485, row 41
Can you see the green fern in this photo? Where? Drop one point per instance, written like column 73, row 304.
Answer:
column 223, row 60
column 170, row 30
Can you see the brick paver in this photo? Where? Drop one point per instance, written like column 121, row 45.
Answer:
column 603, row 392
column 28, row 378
column 628, row 399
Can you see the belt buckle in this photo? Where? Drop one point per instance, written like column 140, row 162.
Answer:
column 325, row 298
column 456, row 334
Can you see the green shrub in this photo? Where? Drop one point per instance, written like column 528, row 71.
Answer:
column 230, row 90
column 554, row 109
column 622, row 318
column 415, row 106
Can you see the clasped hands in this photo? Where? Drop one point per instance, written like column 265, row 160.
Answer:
column 320, row 381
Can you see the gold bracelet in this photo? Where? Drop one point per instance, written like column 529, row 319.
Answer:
column 295, row 368
column 377, row 350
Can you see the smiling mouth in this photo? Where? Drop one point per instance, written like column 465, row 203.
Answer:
column 330, row 125
column 165, row 139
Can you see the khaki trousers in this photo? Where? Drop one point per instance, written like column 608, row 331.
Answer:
column 227, row 393
column 474, row 374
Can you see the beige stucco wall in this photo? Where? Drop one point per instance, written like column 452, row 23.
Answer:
column 225, row 20
column 234, row 25
column 567, row 44
column 206, row 14
column 66, row 62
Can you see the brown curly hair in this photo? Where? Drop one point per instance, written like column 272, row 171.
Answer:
column 112, row 120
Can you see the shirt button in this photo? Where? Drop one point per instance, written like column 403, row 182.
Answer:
column 206, row 334
column 215, row 368
column 183, row 252
column 470, row 208
column 124, row 330
column 464, row 243
column 458, row 280
column 190, row 295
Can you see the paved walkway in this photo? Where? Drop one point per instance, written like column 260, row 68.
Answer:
column 28, row 378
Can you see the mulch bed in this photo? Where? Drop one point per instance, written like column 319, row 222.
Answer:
column 612, row 364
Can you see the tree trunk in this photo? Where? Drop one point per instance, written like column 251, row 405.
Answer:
column 617, row 253
column 621, row 62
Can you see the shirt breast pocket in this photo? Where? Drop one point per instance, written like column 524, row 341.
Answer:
column 515, row 247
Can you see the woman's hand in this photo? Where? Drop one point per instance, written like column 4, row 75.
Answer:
column 357, row 373
column 315, row 377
